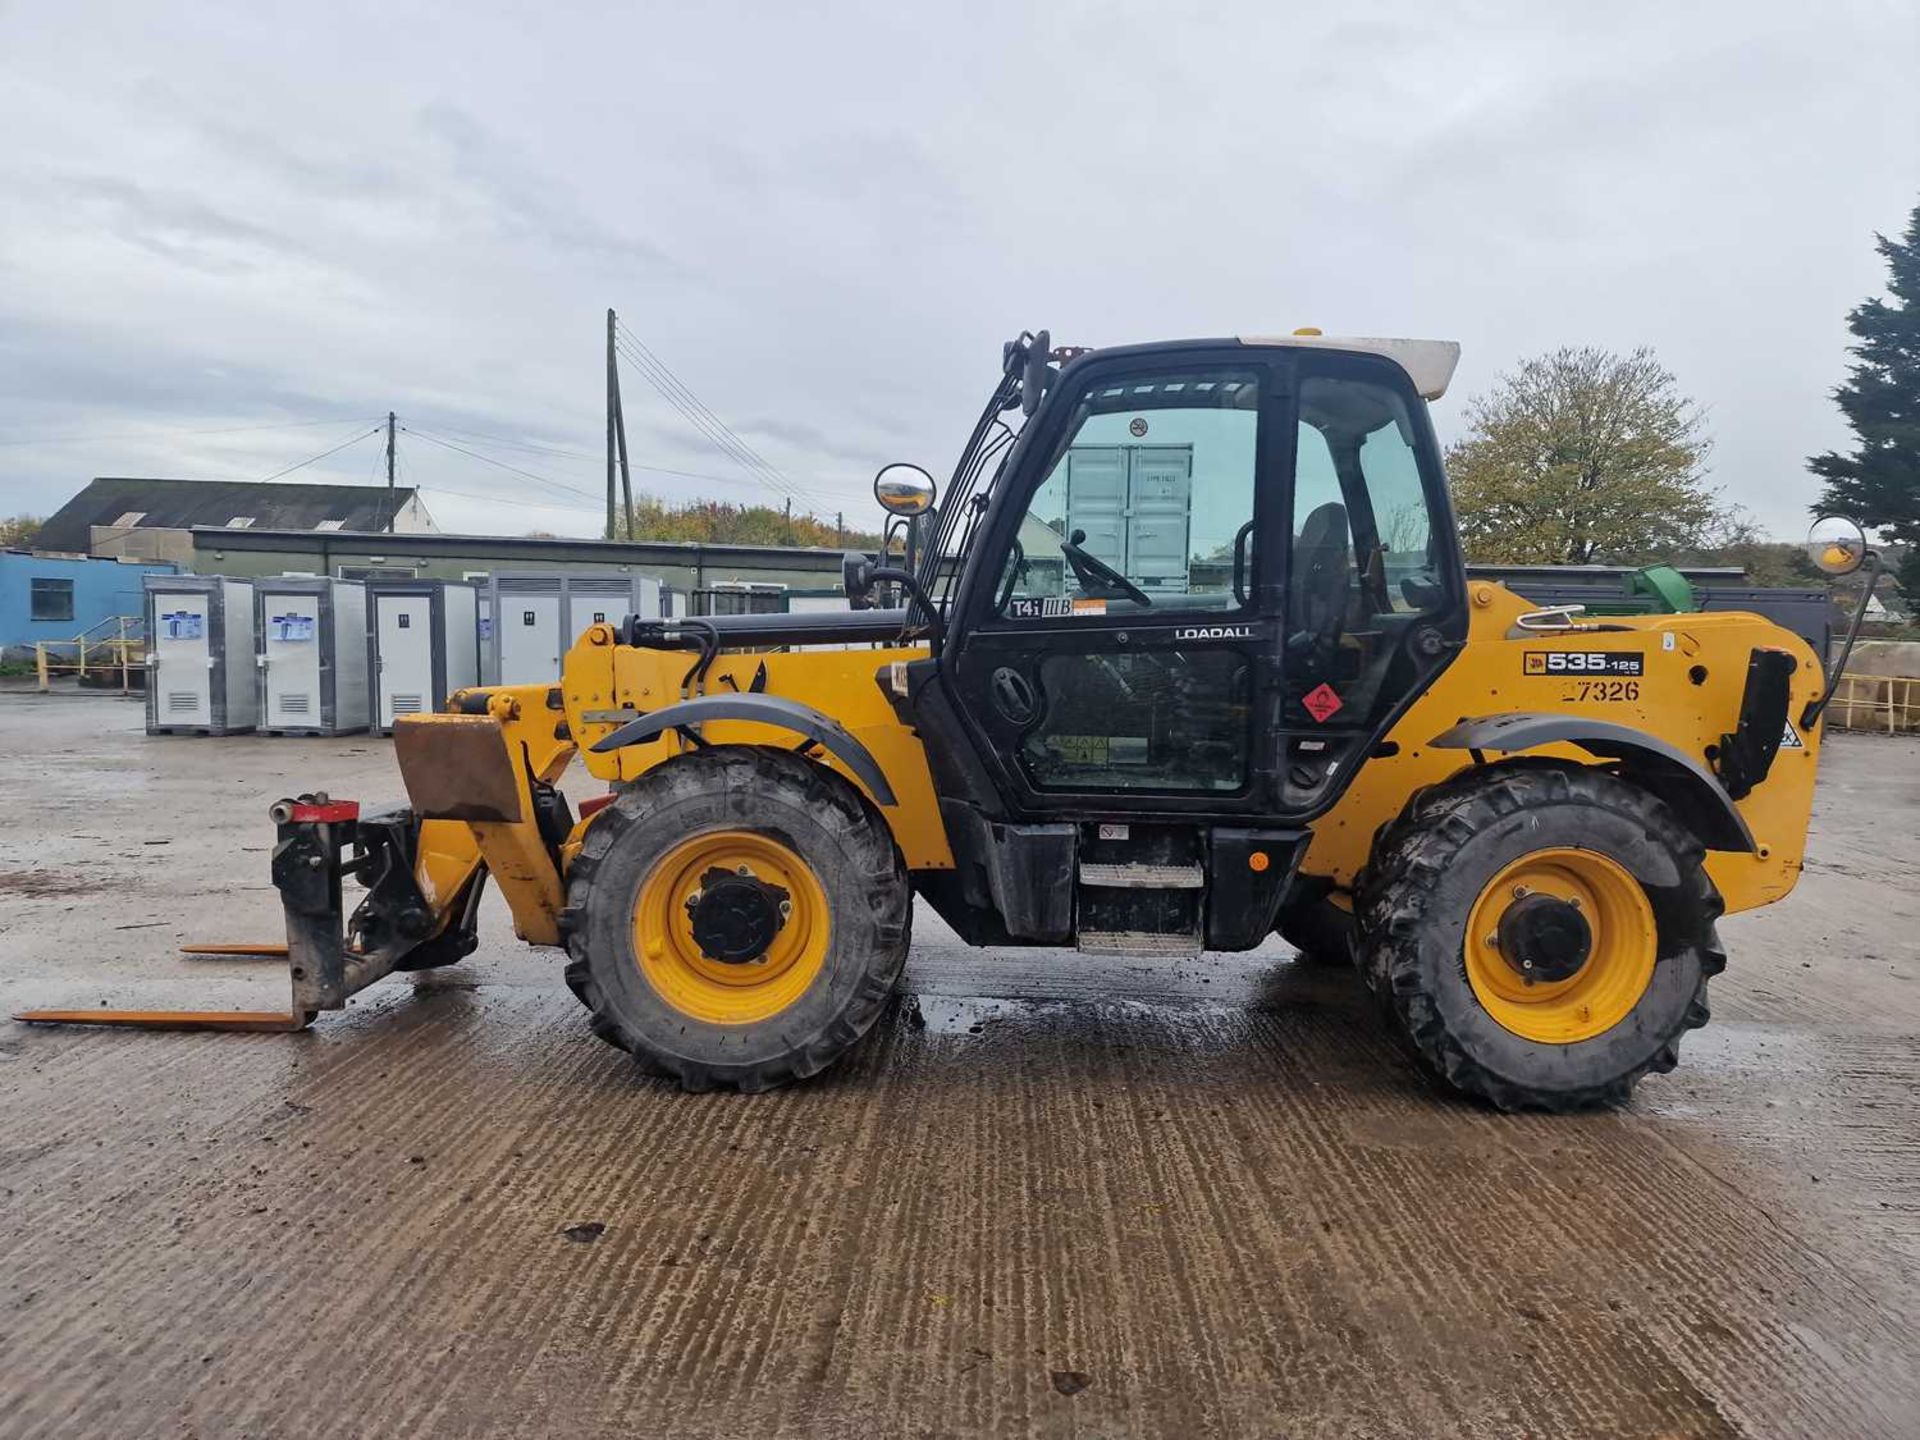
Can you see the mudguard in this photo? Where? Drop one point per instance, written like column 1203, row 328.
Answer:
column 804, row 720
column 1700, row 798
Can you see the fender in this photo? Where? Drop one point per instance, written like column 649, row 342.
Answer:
column 761, row 710
column 1691, row 789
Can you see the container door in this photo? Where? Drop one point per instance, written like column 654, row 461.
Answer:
column 404, row 627
column 182, row 676
column 1159, row 515
column 529, row 627
column 290, row 655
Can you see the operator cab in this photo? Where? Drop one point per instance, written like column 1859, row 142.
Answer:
column 1202, row 578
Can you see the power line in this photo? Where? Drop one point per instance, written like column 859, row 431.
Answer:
column 695, row 413
column 301, row 465
column 480, row 436
column 161, row 434
column 698, row 413
column 439, row 436
column 445, row 444
column 505, row 500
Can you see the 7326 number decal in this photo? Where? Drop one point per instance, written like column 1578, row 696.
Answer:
column 1599, row 692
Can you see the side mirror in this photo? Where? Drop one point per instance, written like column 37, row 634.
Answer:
column 904, row 490
column 1836, row 545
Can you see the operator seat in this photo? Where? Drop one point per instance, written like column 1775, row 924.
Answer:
column 1317, row 591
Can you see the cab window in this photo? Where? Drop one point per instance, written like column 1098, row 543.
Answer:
column 1148, row 505
column 1363, row 566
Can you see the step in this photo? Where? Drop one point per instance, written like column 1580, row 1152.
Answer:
column 1153, row 943
column 1143, row 877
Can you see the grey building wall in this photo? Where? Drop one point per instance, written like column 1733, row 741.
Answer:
column 683, row 567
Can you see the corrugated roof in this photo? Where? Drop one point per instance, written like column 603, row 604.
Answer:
column 181, row 504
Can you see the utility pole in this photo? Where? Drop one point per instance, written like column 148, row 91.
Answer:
column 789, row 520
column 839, row 529
column 626, row 474
column 392, row 500
column 613, row 383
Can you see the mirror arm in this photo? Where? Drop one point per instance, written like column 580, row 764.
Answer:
column 1816, row 708
column 907, row 581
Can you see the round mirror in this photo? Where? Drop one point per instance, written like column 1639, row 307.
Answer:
column 904, row 490
column 1836, row 545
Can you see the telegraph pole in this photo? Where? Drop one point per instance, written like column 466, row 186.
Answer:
column 392, row 501
column 626, row 474
column 613, row 403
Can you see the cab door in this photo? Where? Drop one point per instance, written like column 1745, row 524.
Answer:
column 1375, row 599
column 1119, row 630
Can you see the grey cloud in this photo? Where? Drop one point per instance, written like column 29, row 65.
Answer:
column 827, row 221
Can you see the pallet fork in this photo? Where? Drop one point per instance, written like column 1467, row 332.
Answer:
column 331, row 956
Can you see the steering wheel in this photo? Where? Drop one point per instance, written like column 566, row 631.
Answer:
column 1092, row 571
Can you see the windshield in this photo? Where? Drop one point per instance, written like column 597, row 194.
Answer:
column 981, row 462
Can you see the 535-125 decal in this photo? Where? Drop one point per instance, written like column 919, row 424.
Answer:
column 1561, row 663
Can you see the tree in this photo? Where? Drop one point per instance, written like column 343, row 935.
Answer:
column 1879, row 483
column 1582, row 456
column 18, row 531
column 716, row 522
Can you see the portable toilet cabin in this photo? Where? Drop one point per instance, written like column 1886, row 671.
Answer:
column 536, row 618
column 422, row 645
column 312, row 655
column 199, row 655
column 608, row 599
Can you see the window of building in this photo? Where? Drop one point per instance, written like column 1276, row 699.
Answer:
column 50, row 600
column 331, row 525
column 239, row 522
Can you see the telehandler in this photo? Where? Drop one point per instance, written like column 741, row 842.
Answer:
column 1189, row 654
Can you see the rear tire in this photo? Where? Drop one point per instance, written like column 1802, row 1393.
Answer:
column 649, row 985
column 1565, row 830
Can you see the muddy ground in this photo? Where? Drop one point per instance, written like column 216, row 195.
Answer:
column 1056, row 1196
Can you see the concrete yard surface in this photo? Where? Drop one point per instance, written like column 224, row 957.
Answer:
column 1050, row 1195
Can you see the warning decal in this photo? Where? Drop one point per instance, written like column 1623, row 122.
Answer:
column 1322, row 702
column 1791, row 740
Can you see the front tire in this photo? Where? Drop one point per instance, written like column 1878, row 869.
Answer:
column 1541, row 935
column 736, row 917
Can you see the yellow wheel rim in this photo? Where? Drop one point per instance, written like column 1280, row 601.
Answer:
column 1618, row 965
column 718, row 991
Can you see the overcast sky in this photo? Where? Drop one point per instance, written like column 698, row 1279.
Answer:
column 826, row 218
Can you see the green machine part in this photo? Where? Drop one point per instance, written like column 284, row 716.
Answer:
column 1666, row 587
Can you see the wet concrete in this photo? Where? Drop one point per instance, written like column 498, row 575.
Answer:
column 1049, row 1196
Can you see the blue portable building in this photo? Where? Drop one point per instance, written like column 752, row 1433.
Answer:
column 56, row 597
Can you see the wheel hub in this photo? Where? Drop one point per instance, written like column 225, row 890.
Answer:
column 1544, row 938
column 735, row 915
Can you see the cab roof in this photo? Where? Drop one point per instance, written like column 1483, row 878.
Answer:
column 1428, row 363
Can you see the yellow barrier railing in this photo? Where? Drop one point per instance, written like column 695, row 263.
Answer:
column 116, row 643
column 1876, row 702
